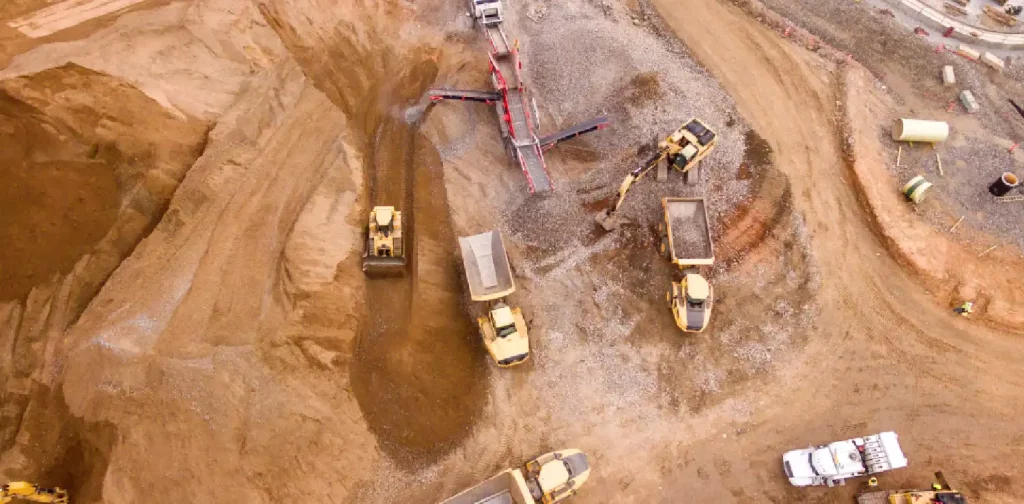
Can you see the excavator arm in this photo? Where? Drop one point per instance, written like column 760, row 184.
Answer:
column 606, row 218
column 20, row 490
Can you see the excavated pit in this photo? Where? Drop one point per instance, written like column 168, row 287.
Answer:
column 418, row 371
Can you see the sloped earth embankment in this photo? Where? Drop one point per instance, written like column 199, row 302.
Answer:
column 89, row 164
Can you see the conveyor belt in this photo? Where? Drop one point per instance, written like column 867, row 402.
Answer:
column 463, row 95
column 583, row 128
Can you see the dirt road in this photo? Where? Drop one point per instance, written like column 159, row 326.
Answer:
column 884, row 356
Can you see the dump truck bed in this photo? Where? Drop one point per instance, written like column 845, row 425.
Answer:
column 487, row 269
column 689, row 234
column 506, row 487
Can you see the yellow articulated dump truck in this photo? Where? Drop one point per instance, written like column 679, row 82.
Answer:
column 490, row 281
column 686, row 241
column 550, row 478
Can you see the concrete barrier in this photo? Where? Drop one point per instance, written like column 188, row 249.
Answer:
column 993, row 61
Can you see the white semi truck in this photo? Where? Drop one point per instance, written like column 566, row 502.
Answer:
column 550, row 478
column 834, row 463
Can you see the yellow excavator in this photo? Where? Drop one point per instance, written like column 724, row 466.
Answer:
column 24, row 491
column 682, row 150
column 385, row 246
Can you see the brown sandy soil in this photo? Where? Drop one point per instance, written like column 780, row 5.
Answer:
column 240, row 355
column 897, row 346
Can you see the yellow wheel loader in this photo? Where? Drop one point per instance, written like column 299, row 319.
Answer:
column 686, row 241
column 490, row 281
column 683, row 151
column 24, row 491
column 385, row 245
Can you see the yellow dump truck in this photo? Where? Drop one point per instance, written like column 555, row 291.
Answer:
column 550, row 478
column 686, row 241
column 489, row 276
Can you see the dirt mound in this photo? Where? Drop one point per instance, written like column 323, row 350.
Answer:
column 90, row 164
column 79, row 142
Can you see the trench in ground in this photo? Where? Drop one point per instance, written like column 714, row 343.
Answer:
column 419, row 370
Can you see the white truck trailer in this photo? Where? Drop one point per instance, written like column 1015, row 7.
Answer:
column 550, row 478
column 834, row 463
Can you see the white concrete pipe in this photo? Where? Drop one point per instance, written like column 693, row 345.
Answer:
column 916, row 130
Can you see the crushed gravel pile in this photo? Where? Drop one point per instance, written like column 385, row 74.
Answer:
column 689, row 230
column 586, row 59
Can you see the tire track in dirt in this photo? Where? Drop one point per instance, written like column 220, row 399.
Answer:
column 417, row 372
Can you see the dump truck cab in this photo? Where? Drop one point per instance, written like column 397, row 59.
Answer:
column 691, row 300
column 385, row 249
column 547, row 479
column 504, row 334
column 555, row 476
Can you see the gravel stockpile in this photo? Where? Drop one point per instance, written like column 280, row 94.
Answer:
column 689, row 230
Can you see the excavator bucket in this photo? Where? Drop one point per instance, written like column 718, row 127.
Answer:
column 608, row 222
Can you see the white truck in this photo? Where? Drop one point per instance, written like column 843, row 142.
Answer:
column 550, row 478
column 686, row 241
column 834, row 463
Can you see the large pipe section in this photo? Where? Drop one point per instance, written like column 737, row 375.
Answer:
column 916, row 130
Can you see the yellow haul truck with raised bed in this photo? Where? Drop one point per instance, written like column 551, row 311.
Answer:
column 385, row 245
column 686, row 241
column 683, row 150
column 550, row 478
column 489, row 276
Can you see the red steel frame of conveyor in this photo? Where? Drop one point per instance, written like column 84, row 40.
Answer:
column 507, row 114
